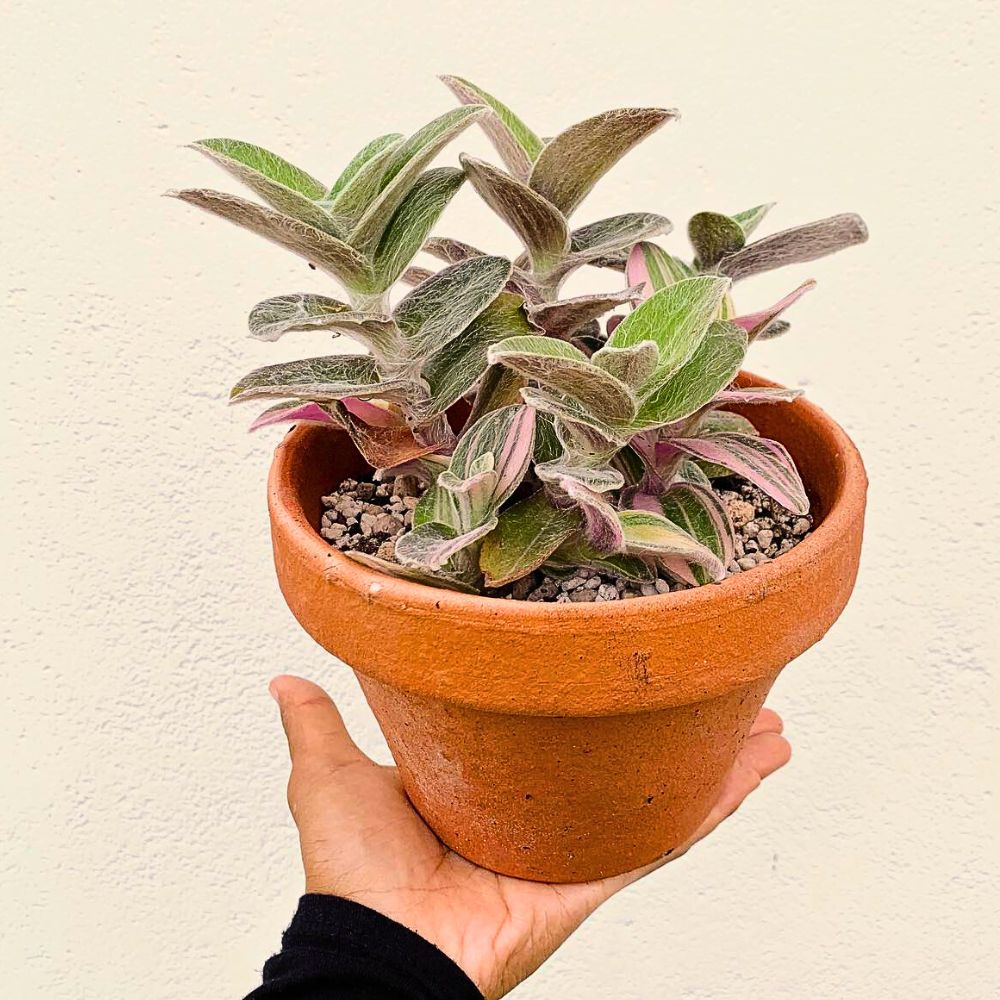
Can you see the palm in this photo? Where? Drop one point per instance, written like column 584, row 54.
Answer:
column 362, row 839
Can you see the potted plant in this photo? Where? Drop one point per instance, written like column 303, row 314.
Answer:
column 566, row 556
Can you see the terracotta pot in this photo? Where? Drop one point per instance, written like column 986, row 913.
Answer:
column 566, row 742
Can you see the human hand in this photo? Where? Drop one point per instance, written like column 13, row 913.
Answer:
column 363, row 840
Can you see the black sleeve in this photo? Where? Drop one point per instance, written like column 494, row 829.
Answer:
column 338, row 948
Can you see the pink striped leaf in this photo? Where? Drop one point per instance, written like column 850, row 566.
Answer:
column 295, row 411
column 700, row 512
column 653, row 268
column 764, row 462
column 374, row 412
column 756, row 323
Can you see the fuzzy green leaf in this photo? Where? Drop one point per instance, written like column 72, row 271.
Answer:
column 795, row 246
column 676, row 319
column 321, row 378
column 259, row 169
column 713, row 365
column 569, row 410
column 319, row 248
column 413, row 220
column 713, row 236
column 724, row 422
column 616, row 233
column 570, row 165
column 517, row 145
column 499, row 387
column 364, row 156
column 265, row 163
column 526, row 534
column 364, row 185
column 576, row 552
column 440, row 308
column 750, row 219
column 454, row 369
column 567, row 370
column 273, row 317
column 404, row 166
column 538, row 224
column 632, row 365
column 451, row 251
column 653, row 535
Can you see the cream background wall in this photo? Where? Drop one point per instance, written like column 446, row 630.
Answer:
column 145, row 847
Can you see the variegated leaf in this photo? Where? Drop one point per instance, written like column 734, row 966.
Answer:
column 324, row 251
column 650, row 534
column 431, row 545
column 690, row 471
column 404, row 166
column 537, row 223
column 757, row 394
column 508, row 435
column 517, row 145
column 373, row 412
column 321, row 379
column 470, row 500
column 412, row 221
column 700, row 512
column 713, row 236
column 757, row 323
column 412, row 573
column 676, row 319
column 426, row 468
column 714, row 364
column 444, row 305
column 295, row 411
column 750, row 219
column 763, row 462
column 795, row 246
column 276, row 316
column 454, row 369
column 567, row 370
column 601, row 525
column 562, row 319
column 271, row 178
column 632, row 365
column 569, row 410
column 570, row 165
column 365, row 155
column 596, row 241
column 364, row 185
column 527, row 533
column 653, row 268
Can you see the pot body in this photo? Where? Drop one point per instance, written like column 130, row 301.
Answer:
column 566, row 742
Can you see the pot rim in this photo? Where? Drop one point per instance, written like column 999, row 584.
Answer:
column 692, row 604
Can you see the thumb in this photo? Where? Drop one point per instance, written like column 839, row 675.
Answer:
column 315, row 731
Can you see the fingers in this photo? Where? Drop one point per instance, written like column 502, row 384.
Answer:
column 767, row 722
column 315, row 731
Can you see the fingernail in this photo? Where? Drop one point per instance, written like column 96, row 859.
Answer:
column 271, row 691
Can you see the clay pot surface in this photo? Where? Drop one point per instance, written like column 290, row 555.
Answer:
column 566, row 742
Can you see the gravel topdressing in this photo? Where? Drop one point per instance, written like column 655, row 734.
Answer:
column 369, row 517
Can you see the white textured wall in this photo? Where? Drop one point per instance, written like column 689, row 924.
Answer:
column 145, row 847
